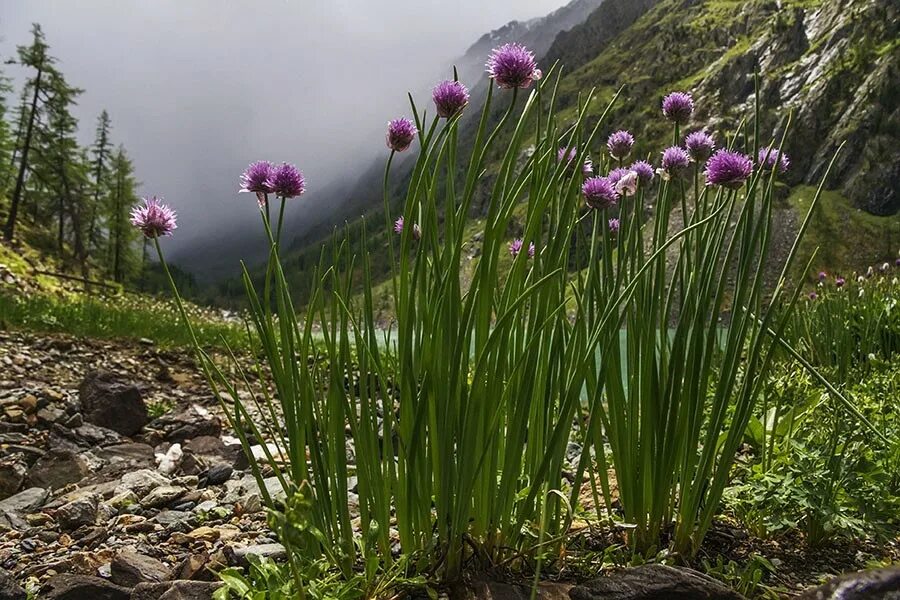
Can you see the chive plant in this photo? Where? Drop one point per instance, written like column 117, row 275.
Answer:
column 461, row 411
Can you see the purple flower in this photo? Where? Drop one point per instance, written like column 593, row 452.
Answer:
column 620, row 144
column 897, row 262
column 450, row 97
column 516, row 246
column 400, row 134
column 769, row 157
column 416, row 230
column 699, row 145
column 839, row 282
column 257, row 178
column 568, row 155
column 288, row 181
column 678, row 107
column 599, row 192
column 644, row 171
column 153, row 218
column 616, row 174
column 728, row 168
column 512, row 66
column 822, row 275
column 613, row 225
column 675, row 161
column 813, row 295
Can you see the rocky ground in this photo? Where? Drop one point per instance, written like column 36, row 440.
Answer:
column 92, row 485
column 120, row 481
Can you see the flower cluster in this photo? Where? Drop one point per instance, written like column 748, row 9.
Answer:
column 678, row 107
column 620, row 144
column 515, row 247
column 568, row 155
column 263, row 177
column 728, row 169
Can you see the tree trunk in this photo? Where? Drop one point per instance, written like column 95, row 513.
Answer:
column 23, row 165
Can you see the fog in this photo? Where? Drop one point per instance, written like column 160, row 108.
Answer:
column 197, row 89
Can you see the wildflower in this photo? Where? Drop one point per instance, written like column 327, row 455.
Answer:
column 728, row 168
column 860, row 279
column 450, row 97
column 813, row 295
column 839, row 282
column 870, row 271
column 620, row 144
column 822, row 275
column 770, row 157
column 512, row 66
column 516, row 246
column 257, row 178
column 678, row 107
column 417, row 232
column 644, row 171
column 616, row 174
column 398, row 225
column 885, row 267
column 288, row 181
column 627, row 184
column 674, row 162
column 400, row 134
column 568, row 155
column 699, row 145
column 599, row 192
column 154, row 218
column 613, row 225
column 897, row 262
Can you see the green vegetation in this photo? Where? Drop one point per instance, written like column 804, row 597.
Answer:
column 125, row 316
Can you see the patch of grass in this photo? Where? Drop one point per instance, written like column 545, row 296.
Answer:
column 849, row 239
column 121, row 317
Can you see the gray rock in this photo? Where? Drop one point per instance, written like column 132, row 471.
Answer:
column 111, row 403
column 876, row 584
column 162, row 496
column 12, row 475
column 81, row 587
column 653, row 582
column 77, row 513
column 9, row 589
column 176, row 427
column 141, row 482
column 57, row 469
column 175, row 590
column 175, row 519
column 270, row 551
column 25, row 501
column 130, row 568
column 138, row 456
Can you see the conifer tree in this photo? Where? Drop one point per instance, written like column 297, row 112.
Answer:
column 124, row 258
column 36, row 57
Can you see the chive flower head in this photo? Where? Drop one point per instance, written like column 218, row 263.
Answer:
column 153, row 218
column 400, row 134
column 450, row 97
column 513, row 66
column 728, row 168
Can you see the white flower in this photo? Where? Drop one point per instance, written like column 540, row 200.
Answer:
column 627, row 185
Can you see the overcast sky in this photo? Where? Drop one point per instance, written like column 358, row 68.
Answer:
column 198, row 88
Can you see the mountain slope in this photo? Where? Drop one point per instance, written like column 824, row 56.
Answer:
column 833, row 63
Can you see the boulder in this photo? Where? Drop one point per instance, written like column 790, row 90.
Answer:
column 9, row 589
column 111, row 403
column 875, row 584
column 653, row 582
column 175, row 590
column 178, row 427
column 130, row 568
column 24, row 502
column 12, row 475
column 58, row 468
column 68, row 586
